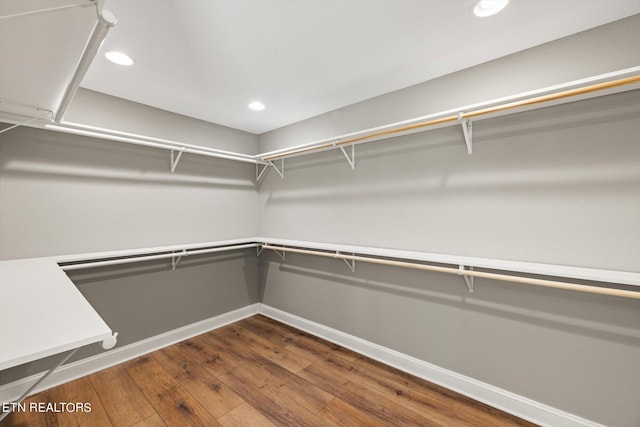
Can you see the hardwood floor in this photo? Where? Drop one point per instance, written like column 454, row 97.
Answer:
column 258, row 372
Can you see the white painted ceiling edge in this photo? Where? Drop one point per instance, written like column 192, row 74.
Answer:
column 209, row 59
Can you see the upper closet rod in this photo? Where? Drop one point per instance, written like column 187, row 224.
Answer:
column 471, row 273
column 461, row 116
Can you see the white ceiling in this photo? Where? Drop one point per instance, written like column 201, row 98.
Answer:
column 209, row 58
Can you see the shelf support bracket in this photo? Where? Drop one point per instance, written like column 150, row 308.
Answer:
column 35, row 384
column 280, row 254
column 280, row 171
column 467, row 279
column 259, row 172
column 350, row 263
column 175, row 159
column 350, row 159
column 33, row 119
column 259, row 249
column 467, row 128
column 175, row 261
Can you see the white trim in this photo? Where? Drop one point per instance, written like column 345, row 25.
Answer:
column 512, row 403
column 11, row 391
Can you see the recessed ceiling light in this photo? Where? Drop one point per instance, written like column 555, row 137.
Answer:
column 489, row 7
column 256, row 106
column 119, row 58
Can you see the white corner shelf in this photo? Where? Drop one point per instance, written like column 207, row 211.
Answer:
column 42, row 313
column 75, row 31
column 464, row 116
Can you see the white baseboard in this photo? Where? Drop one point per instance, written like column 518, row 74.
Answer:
column 11, row 391
column 512, row 403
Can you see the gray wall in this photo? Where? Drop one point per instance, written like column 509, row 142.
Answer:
column 64, row 194
column 556, row 185
column 106, row 111
column 559, row 185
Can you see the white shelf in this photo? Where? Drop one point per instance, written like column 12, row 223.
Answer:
column 30, row 83
column 591, row 87
column 577, row 90
column 149, row 250
column 582, row 273
column 42, row 313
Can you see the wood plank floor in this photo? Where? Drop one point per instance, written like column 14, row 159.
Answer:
column 258, row 372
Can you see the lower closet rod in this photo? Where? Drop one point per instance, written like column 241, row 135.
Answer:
column 153, row 257
column 494, row 276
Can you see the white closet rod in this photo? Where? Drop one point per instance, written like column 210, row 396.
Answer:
column 182, row 253
column 471, row 273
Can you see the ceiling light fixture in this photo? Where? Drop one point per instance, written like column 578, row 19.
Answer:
column 119, row 58
column 489, row 7
column 256, row 106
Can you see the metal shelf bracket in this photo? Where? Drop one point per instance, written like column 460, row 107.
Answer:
column 467, row 279
column 467, row 127
column 280, row 254
column 350, row 159
column 175, row 159
column 259, row 249
column 4, row 413
column 176, row 260
column 259, row 172
column 280, row 171
column 350, row 263
column 33, row 119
